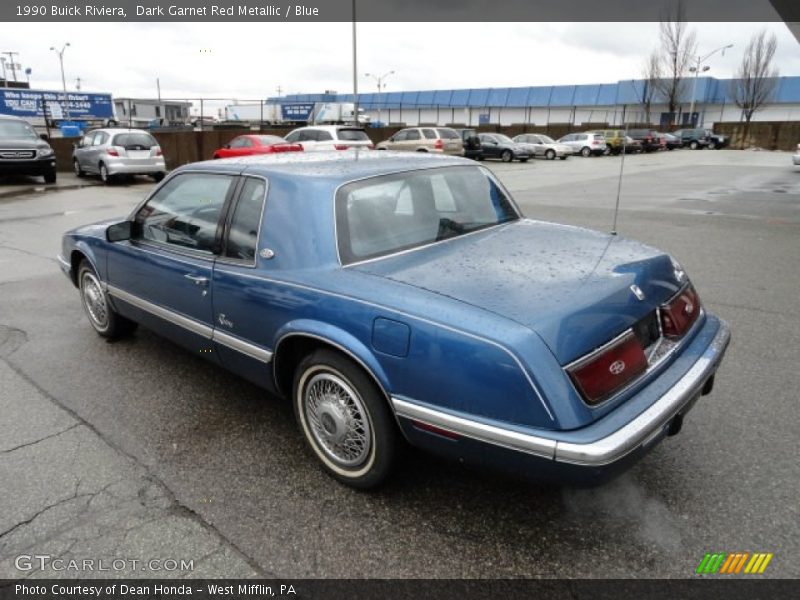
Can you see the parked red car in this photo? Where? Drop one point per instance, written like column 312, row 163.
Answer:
column 246, row 145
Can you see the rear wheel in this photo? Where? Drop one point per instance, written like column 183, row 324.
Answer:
column 105, row 176
column 694, row 145
column 712, row 145
column 344, row 419
column 105, row 320
column 506, row 156
column 586, row 151
column 550, row 154
column 76, row 167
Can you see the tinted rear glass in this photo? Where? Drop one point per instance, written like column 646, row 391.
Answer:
column 353, row 135
column 448, row 134
column 144, row 140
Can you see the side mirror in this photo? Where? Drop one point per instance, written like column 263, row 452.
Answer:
column 119, row 232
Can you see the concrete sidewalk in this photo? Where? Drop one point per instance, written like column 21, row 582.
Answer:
column 76, row 497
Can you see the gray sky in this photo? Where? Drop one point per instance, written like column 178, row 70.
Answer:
column 250, row 60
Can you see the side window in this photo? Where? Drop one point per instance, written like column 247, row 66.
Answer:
column 238, row 142
column 412, row 134
column 99, row 138
column 400, row 136
column 87, row 140
column 185, row 211
column 323, row 136
column 246, row 221
column 293, row 137
column 429, row 134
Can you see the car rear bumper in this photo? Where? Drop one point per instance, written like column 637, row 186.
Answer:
column 132, row 167
column 589, row 454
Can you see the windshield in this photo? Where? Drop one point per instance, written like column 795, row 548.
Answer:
column 546, row 140
column 16, row 129
column 382, row 215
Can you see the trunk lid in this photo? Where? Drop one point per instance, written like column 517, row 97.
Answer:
column 572, row 286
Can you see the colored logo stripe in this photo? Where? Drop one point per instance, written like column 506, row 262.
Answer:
column 733, row 563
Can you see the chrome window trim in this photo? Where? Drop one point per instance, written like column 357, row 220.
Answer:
column 409, row 316
column 168, row 248
column 637, row 432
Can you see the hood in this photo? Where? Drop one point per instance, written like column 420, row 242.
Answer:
column 572, row 286
column 24, row 143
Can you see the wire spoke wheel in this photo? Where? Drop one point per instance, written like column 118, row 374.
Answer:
column 94, row 300
column 337, row 419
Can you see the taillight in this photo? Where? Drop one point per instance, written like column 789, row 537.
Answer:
column 679, row 313
column 371, row 146
column 341, row 146
column 607, row 370
column 439, row 144
column 112, row 152
column 158, row 151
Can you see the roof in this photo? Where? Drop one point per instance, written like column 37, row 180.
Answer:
column 336, row 166
column 628, row 91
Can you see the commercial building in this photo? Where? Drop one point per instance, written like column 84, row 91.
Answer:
column 144, row 111
column 612, row 103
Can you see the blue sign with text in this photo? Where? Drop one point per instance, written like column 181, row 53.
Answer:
column 25, row 103
column 297, row 111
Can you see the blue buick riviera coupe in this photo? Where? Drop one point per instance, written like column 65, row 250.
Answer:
column 404, row 297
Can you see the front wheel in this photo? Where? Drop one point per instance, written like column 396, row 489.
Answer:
column 344, row 419
column 105, row 320
column 694, row 145
column 506, row 156
column 586, row 152
column 76, row 166
column 550, row 154
column 712, row 145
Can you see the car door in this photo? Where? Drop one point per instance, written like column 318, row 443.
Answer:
column 491, row 148
column 413, row 140
column 395, row 142
column 99, row 146
column 243, row 330
column 162, row 276
column 83, row 150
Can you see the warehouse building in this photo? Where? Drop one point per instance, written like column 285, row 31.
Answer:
column 612, row 103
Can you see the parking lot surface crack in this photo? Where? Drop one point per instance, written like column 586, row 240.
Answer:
column 34, row 442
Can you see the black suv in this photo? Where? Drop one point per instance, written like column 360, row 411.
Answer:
column 472, row 143
column 22, row 152
column 649, row 138
column 694, row 138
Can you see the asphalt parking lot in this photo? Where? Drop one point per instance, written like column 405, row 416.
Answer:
column 139, row 450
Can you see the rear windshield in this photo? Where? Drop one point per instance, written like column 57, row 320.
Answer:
column 386, row 214
column 353, row 135
column 132, row 141
column 448, row 134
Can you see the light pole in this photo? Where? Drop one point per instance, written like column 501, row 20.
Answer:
column 698, row 66
column 63, row 79
column 381, row 85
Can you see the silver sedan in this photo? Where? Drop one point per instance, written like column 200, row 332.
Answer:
column 542, row 145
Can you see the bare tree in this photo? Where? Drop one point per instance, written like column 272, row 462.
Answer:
column 756, row 78
column 678, row 46
column 651, row 73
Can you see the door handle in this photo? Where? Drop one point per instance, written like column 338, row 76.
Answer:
column 198, row 280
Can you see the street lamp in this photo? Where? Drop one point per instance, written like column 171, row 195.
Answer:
column 381, row 85
column 698, row 67
column 63, row 80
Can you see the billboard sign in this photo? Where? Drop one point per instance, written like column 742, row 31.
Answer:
column 26, row 103
column 297, row 111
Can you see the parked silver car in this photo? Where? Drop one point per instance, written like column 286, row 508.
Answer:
column 114, row 152
column 542, row 145
column 585, row 144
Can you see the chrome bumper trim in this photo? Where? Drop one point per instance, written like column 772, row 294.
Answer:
column 604, row 451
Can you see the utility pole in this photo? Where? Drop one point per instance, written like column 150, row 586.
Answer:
column 3, row 63
column 158, row 87
column 698, row 67
column 381, row 86
column 63, row 80
column 279, row 91
column 78, row 84
column 11, row 63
